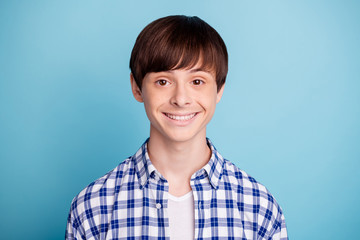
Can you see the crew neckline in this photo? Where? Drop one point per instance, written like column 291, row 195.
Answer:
column 181, row 198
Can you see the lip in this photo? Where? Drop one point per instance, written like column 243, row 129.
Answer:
column 181, row 119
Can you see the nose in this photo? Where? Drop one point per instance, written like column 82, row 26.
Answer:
column 180, row 96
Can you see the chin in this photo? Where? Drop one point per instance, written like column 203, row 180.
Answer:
column 182, row 136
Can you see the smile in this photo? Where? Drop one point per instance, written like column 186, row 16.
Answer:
column 180, row 117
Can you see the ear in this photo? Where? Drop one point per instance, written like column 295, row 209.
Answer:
column 135, row 89
column 220, row 93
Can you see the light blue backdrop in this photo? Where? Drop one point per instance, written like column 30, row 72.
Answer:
column 289, row 116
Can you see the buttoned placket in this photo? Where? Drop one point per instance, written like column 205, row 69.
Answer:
column 161, row 201
column 198, row 203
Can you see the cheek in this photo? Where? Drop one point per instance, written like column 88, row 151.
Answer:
column 152, row 102
column 209, row 98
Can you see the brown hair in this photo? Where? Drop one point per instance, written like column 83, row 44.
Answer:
column 177, row 42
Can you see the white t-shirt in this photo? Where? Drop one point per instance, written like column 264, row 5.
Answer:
column 181, row 216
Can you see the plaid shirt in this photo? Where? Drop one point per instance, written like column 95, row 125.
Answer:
column 130, row 202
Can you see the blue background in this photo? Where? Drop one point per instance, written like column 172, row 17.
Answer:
column 289, row 116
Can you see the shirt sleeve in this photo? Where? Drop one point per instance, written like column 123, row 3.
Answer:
column 70, row 230
column 281, row 231
column 74, row 230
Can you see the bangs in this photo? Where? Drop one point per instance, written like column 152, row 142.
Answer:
column 178, row 42
column 182, row 54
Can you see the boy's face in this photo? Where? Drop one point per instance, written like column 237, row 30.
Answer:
column 179, row 103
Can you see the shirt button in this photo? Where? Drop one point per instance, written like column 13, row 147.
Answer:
column 158, row 205
column 200, row 205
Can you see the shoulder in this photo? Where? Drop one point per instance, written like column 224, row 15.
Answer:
column 247, row 186
column 255, row 200
column 105, row 187
column 238, row 177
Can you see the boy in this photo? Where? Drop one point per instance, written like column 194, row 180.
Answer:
column 177, row 186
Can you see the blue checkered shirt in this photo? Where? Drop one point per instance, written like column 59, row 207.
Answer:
column 131, row 201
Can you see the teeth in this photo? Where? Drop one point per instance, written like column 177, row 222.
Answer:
column 181, row 118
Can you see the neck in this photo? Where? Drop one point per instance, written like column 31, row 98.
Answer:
column 178, row 160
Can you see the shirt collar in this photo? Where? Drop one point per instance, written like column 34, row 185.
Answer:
column 214, row 168
column 145, row 169
column 143, row 166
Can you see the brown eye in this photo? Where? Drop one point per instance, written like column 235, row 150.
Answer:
column 198, row 82
column 162, row 82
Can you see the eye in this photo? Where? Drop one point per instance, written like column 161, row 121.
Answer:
column 197, row 82
column 162, row 82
